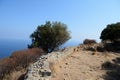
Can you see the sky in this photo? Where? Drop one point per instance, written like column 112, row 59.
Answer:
column 84, row 18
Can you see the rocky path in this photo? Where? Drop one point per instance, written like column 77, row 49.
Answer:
column 72, row 63
column 44, row 69
column 82, row 65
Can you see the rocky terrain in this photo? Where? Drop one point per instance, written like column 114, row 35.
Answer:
column 44, row 68
column 73, row 63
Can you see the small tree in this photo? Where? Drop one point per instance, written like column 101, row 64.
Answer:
column 49, row 36
column 111, row 33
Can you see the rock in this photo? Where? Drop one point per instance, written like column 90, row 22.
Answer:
column 41, row 70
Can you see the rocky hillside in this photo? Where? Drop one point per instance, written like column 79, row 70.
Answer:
column 75, row 63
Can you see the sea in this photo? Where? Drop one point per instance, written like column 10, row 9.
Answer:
column 7, row 47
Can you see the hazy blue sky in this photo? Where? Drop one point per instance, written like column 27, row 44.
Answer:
column 84, row 18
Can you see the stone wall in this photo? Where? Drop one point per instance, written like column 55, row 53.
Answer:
column 43, row 69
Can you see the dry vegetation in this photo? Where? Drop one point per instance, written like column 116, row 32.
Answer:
column 17, row 62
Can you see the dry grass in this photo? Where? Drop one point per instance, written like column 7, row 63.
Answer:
column 18, row 61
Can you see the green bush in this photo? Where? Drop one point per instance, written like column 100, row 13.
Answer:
column 49, row 36
column 111, row 33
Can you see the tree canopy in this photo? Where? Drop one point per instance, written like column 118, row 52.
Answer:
column 49, row 36
column 111, row 33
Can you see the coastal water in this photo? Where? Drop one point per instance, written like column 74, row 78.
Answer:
column 7, row 47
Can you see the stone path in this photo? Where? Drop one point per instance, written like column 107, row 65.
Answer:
column 72, row 63
column 43, row 69
column 82, row 65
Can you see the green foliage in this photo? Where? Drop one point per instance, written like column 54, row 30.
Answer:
column 49, row 36
column 111, row 33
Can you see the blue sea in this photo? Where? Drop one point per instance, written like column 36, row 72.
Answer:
column 7, row 47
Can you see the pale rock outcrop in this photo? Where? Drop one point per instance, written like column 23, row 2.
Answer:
column 43, row 69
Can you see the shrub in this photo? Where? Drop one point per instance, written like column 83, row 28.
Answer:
column 18, row 60
column 89, row 41
column 111, row 33
column 24, row 57
column 112, row 69
column 5, row 67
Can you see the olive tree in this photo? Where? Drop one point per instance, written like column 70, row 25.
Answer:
column 50, row 36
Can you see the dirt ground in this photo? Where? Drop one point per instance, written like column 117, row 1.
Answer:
column 82, row 65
